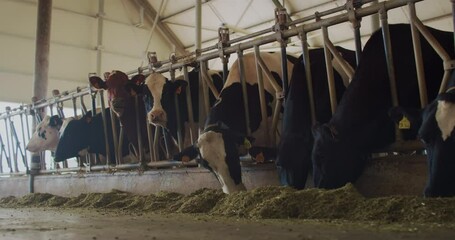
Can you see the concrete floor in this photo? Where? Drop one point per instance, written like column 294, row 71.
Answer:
column 50, row 224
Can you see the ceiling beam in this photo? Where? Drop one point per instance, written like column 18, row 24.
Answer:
column 182, row 11
column 151, row 14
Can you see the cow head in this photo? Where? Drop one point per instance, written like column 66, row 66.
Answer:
column 219, row 152
column 46, row 135
column 336, row 161
column 120, row 88
column 161, row 98
column 437, row 133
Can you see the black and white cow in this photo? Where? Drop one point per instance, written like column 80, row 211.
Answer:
column 46, row 136
column 225, row 127
column 83, row 135
column 294, row 152
column 160, row 95
column 361, row 124
column 435, row 125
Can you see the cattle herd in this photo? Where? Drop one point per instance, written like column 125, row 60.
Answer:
column 333, row 150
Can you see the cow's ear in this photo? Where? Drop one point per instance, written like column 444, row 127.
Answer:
column 97, row 82
column 180, row 86
column 139, row 79
column 55, row 121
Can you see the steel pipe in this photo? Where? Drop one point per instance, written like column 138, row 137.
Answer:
column 261, row 90
column 389, row 56
column 361, row 12
column 418, row 57
column 329, row 69
column 189, row 105
column 177, row 114
column 309, row 79
column 241, row 67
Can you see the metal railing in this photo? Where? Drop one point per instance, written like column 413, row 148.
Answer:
column 13, row 146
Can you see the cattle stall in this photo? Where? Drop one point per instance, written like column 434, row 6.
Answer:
column 13, row 144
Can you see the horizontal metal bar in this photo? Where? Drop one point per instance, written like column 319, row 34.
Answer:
column 330, row 21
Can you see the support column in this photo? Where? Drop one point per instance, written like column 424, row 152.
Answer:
column 43, row 36
column 40, row 81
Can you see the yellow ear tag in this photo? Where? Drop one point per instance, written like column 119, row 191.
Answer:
column 404, row 123
column 247, row 143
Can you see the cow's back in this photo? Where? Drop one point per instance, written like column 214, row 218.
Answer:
column 273, row 62
column 361, row 123
column 368, row 96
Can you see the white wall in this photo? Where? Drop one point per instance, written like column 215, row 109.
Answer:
column 73, row 43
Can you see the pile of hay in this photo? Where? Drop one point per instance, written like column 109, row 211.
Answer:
column 265, row 202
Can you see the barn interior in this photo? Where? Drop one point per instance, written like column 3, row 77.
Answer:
column 51, row 48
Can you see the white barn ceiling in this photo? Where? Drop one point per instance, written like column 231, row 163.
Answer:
column 128, row 34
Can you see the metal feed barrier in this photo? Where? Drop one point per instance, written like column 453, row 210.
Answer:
column 13, row 148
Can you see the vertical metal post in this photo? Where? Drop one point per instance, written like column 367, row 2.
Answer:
column 119, row 149
column 156, row 142
column 23, row 138
column 10, row 134
column 14, row 144
column 223, row 39
column 93, row 97
column 99, row 42
column 43, row 35
column 329, row 69
column 198, row 36
column 390, row 66
column 103, row 116
column 117, row 143
column 244, row 91
column 138, row 130
column 198, row 10
column 284, row 70
column 73, row 100
column 8, row 142
column 453, row 20
column 177, row 114
column 225, row 69
column 389, row 56
column 189, row 105
column 357, row 41
column 152, row 154
column 309, row 79
column 418, row 57
column 205, row 92
column 35, row 161
column 262, row 102
column 281, row 17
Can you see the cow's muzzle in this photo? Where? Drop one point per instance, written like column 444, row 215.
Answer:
column 118, row 106
column 157, row 117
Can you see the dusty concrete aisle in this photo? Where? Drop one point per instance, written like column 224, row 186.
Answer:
column 33, row 223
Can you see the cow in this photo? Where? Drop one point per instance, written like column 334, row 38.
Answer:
column 46, row 136
column 294, row 151
column 225, row 128
column 160, row 95
column 360, row 124
column 122, row 92
column 79, row 136
column 435, row 124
